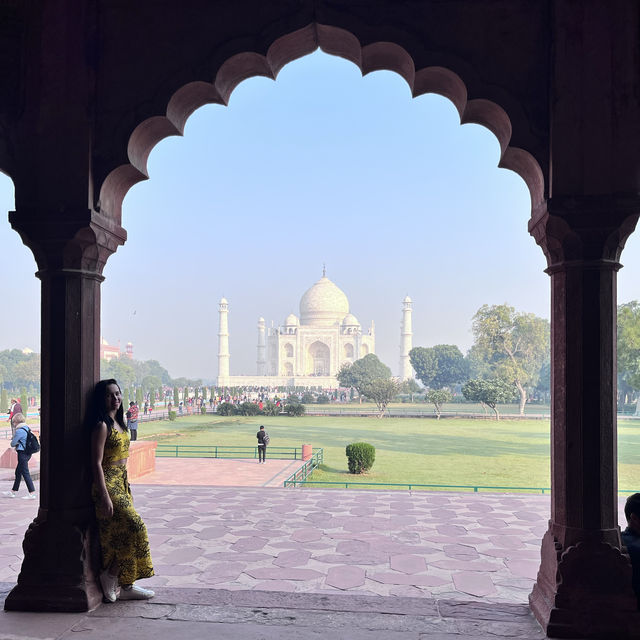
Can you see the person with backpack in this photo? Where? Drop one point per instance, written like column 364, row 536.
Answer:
column 26, row 444
column 263, row 441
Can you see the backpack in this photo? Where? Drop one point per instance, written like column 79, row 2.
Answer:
column 265, row 438
column 31, row 445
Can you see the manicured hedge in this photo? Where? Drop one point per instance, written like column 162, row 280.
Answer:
column 360, row 457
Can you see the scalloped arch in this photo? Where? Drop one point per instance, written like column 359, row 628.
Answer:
column 336, row 41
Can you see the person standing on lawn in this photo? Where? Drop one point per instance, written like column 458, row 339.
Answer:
column 263, row 441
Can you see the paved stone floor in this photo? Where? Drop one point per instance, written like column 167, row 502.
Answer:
column 267, row 562
column 202, row 614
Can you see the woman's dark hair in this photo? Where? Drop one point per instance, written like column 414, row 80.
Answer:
column 98, row 410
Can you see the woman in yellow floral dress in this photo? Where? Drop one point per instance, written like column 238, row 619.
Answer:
column 123, row 535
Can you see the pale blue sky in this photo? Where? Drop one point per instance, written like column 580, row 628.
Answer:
column 321, row 166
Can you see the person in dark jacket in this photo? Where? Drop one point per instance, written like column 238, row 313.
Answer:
column 19, row 441
column 263, row 441
column 631, row 538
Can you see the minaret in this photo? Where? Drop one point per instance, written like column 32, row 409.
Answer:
column 262, row 363
column 223, row 342
column 406, row 340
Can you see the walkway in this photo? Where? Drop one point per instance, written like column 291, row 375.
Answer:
column 220, row 472
column 272, row 563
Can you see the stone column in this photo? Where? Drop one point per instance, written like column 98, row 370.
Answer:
column 59, row 546
column 406, row 340
column 583, row 587
column 223, row 343
column 262, row 361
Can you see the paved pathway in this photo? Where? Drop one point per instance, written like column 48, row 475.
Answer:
column 393, row 543
column 220, row 472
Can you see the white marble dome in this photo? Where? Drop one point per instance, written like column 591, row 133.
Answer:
column 350, row 321
column 291, row 320
column 324, row 304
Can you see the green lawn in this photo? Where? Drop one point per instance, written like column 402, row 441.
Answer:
column 422, row 451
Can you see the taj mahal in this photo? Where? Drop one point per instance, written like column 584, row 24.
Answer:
column 308, row 350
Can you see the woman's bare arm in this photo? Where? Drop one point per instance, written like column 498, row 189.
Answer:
column 98, row 439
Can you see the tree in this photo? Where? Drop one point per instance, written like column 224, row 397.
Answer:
column 176, row 397
column 410, row 387
column 151, row 382
column 120, row 370
column 24, row 401
column 382, row 391
column 438, row 397
column 27, row 372
column 4, row 401
column 629, row 349
column 489, row 392
column 362, row 372
column 439, row 366
column 514, row 344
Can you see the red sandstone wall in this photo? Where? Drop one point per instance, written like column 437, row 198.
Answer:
column 142, row 459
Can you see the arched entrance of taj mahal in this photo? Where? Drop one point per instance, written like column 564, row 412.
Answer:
column 88, row 91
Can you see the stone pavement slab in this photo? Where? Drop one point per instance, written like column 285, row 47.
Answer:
column 220, row 472
column 200, row 614
column 261, row 538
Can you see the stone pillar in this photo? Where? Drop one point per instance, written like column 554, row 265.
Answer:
column 223, row 343
column 406, row 340
column 262, row 361
column 583, row 588
column 59, row 546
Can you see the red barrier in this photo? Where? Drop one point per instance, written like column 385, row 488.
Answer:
column 142, row 458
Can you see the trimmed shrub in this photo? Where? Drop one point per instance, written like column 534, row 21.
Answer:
column 271, row 409
column 322, row 399
column 360, row 456
column 248, row 409
column 307, row 398
column 203, row 410
column 295, row 409
column 172, row 415
column 226, row 409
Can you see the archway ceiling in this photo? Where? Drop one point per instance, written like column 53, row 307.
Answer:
column 126, row 133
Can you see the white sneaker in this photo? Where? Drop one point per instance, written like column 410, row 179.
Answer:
column 30, row 496
column 109, row 586
column 134, row 592
column 9, row 494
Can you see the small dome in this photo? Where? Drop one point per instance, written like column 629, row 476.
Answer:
column 350, row 320
column 324, row 304
column 223, row 300
column 291, row 320
column 261, row 319
column 407, row 299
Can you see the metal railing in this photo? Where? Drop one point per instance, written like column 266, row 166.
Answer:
column 216, row 451
column 305, row 470
column 409, row 486
column 300, row 482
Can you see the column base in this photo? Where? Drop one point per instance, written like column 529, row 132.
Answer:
column 584, row 591
column 57, row 570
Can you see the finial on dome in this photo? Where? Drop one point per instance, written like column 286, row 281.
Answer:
column 324, row 270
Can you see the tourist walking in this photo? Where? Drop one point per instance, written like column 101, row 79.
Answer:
column 123, row 536
column 19, row 442
column 263, row 441
column 132, row 421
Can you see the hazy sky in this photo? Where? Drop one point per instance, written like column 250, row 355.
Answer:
column 321, row 166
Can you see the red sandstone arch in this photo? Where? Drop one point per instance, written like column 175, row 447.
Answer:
column 333, row 40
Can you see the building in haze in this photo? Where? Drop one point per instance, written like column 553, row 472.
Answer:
column 110, row 351
column 306, row 350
